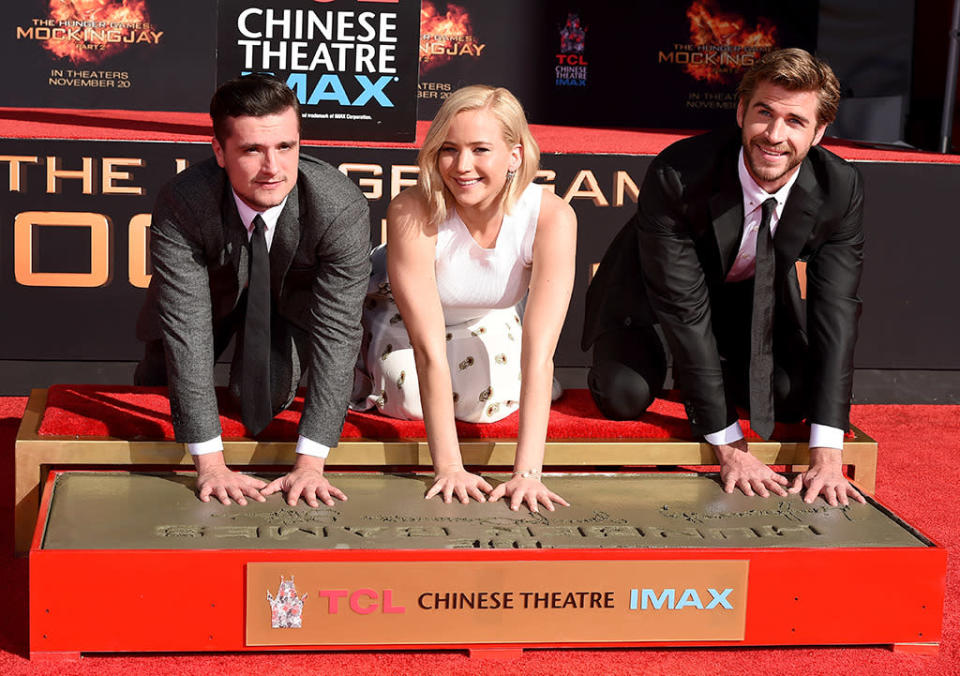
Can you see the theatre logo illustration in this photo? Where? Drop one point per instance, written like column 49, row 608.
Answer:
column 286, row 608
column 571, row 68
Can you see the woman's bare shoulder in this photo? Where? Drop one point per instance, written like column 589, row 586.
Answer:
column 408, row 214
column 553, row 209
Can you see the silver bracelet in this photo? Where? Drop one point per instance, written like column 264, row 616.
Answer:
column 529, row 474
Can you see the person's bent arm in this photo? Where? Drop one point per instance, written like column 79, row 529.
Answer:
column 186, row 324
column 833, row 302
column 677, row 289
column 411, row 249
column 551, row 283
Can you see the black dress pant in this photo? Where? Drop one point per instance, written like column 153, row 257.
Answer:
column 629, row 364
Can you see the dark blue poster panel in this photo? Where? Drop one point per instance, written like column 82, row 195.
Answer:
column 477, row 42
column 691, row 55
column 352, row 63
column 108, row 54
column 605, row 62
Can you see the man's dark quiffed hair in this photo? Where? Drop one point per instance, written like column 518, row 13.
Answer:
column 255, row 95
column 796, row 70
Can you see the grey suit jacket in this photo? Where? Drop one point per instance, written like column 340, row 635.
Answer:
column 669, row 260
column 319, row 268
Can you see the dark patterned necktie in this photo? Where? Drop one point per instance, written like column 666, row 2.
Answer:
column 761, row 329
column 255, row 403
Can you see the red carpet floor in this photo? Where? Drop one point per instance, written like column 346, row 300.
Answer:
column 919, row 472
column 129, row 412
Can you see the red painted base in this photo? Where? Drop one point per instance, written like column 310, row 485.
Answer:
column 195, row 600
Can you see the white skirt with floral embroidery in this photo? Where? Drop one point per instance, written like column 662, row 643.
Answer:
column 483, row 354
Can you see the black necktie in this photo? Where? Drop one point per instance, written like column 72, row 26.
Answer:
column 255, row 403
column 761, row 329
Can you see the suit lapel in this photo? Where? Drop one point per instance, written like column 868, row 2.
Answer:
column 234, row 234
column 285, row 242
column 799, row 215
column 234, row 252
column 726, row 214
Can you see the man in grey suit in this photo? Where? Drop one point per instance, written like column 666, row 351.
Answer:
column 210, row 223
column 714, row 212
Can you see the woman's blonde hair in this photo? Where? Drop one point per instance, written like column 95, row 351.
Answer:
column 505, row 107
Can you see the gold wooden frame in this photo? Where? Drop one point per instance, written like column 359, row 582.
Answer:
column 35, row 455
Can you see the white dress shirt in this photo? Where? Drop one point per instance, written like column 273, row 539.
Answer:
column 743, row 268
column 270, row 216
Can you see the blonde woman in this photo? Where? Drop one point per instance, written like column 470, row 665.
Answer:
column 464, row 246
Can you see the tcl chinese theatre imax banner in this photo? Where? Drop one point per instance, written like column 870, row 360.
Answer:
column 354, row 63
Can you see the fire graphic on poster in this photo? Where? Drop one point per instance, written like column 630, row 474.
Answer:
column 89, row 31
column 733, row 43
column 446, row 35
column 722, row 44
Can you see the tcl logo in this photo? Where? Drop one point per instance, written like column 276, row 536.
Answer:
column 360, row 601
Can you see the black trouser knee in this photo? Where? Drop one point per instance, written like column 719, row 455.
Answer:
column 629, row 368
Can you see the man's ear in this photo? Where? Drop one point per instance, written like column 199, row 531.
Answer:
column 740, row 112
column 218, row 151
column 819, row 135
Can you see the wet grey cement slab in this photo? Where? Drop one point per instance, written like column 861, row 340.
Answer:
column 106, row 510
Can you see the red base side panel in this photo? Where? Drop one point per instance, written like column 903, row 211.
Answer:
column 155, row 601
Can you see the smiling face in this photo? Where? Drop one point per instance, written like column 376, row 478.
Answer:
column 261, row 156
column 779, row 128
column 474, row 158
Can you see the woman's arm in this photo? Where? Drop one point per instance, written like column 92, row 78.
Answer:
column 551, row 283
column 411, row 249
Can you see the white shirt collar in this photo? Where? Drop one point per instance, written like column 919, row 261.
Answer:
column 247, row 214
column 754, row 195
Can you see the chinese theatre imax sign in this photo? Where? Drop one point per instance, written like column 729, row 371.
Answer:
column 351, row 63
column 454, row 602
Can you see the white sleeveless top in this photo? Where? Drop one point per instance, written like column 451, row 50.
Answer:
column 473, row 280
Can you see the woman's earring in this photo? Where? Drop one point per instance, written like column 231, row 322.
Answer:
column 510, row 174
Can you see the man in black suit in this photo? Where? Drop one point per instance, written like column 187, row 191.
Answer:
column 270, row 246
column 711, row 256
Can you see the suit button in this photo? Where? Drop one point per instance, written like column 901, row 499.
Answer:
column 627, row 321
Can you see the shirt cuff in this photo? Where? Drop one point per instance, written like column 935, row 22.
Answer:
column 824, row 436
column 725, row 436
column 214, row 445
column 308, row 447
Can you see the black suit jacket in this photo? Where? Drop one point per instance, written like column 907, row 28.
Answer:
column 319, row 268
column 670, row 259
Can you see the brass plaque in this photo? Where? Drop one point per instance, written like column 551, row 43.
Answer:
column 119, row 510
column 493, row 601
